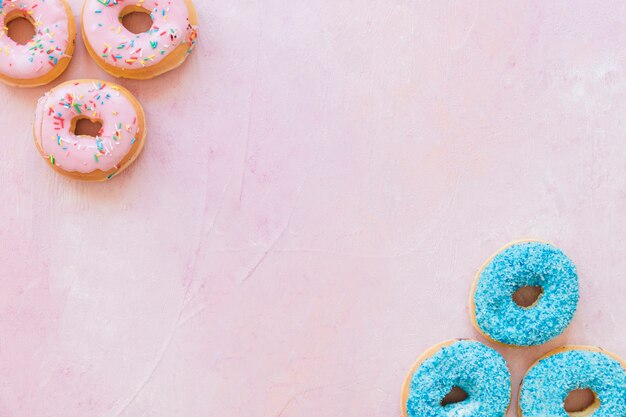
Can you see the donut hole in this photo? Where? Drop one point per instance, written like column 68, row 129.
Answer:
column 136, row 19
column 85, row 126
column 20, row 27
column 454, row 396
column 581, row 402
column 527, row 296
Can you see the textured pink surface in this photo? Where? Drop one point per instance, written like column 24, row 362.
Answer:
column 320, row 182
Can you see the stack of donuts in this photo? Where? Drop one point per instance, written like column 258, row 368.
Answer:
column 477, row 376
column 121, row 51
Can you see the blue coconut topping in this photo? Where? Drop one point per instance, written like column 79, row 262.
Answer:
column 479, row 370
column 526, row 264
column 548, row 383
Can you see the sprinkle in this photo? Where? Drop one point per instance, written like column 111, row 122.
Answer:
column 95, row 156
column 530, row 263
column 52, row 160
column 77, row 107
column 450, row 365
column 549, row 381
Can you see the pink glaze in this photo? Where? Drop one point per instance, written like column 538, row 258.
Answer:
column 85, row 154
column 43, row 52
column 121, row 48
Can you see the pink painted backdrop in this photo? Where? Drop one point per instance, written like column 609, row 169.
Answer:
column 320, row 182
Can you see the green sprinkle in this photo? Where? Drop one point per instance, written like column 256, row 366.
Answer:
column 77, row 107
column 52, row 160
column 95, row 156
column 154, row 44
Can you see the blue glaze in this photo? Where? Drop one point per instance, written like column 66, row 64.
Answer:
column 477, row 369
column 526, row 264
column 548, row 383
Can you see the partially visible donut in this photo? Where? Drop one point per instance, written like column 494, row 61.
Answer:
column 549, row 381
column 122, row 53
column 48, row 53
column 116, row 145
column 466, row 364
column 520, row 264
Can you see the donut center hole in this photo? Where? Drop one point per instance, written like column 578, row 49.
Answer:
column 136, row 19
column 84, row 126
column 581, row 402
column 527, row 296
column 456, row 395
column 20, row 27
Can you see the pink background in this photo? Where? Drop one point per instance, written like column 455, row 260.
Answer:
column 320, row 183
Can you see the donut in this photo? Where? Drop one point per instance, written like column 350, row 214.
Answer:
column 144, row 55
column 115, row 147
column 48, row 53
column 520, row 264
column 466, row 364
column 548, row 382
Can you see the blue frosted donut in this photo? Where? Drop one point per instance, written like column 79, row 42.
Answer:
column 529, row 263
column 552, row 378
column 475, row 368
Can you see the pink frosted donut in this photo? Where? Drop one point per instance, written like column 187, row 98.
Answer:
column 116, row 145
column 48, row 53
column 123, row 53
